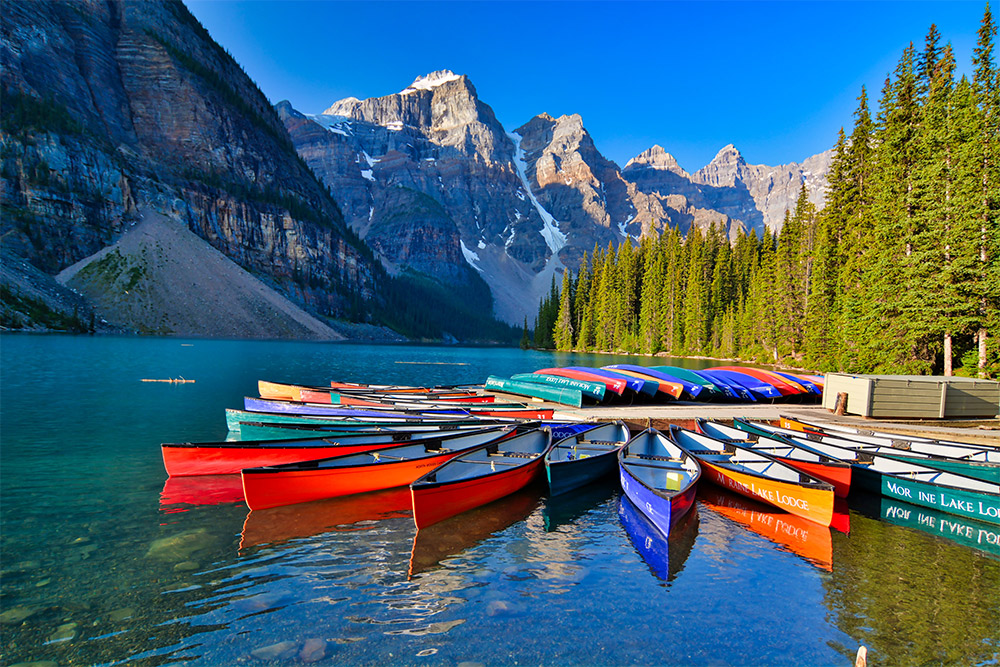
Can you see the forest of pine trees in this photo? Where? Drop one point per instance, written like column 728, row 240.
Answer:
column 898, row 273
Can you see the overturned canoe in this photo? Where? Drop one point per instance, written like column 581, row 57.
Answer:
column 562, row 395
column 594, row 390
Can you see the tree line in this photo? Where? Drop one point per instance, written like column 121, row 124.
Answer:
column 897, row 273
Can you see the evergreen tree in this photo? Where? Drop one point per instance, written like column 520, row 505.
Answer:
column 563, row 334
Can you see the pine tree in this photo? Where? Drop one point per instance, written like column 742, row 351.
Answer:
column 563, row 334
column 650, row 300
column 986, row 87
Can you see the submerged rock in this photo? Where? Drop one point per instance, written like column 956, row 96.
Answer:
column 63, row 633
column 122, row 614
column 178, row 547
column 313, row 650
column 17, row 615
column 279, row 651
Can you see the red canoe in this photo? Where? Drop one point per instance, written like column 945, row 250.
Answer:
column 480, row 476
column 385, row 468
column 613, row 384
column 230, row 457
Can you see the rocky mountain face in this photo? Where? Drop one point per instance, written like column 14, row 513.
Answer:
column 111, row 106
column 429, row 178
column 429, row 171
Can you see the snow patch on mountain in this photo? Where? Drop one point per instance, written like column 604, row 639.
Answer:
column 471, row 258
column 554, row 238
column 337, row 124
column 430, row 81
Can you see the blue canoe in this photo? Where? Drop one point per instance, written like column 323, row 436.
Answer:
column 584, row 457
column 659, row 477
column 736, row 390
column 801, row 380
column 759, row 387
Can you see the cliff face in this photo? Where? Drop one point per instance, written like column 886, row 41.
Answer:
column 111, row 106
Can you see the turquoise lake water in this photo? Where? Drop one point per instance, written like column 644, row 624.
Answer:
column 103, row 562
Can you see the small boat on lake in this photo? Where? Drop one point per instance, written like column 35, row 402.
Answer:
column 757, row 475
column 234, row 418
column 290, row 430
column 659, row 477
column 231, row 456
column 321, row 409
column 827, row 468
column 480, row 476
column 384, row 468
column 584, row 457
column 911, row 482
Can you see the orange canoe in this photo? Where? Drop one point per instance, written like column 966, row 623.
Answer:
column 759, row 476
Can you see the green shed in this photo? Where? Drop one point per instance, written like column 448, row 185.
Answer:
column 913, row 396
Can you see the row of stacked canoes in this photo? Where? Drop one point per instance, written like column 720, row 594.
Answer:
column 457, row 449
column 627, row 383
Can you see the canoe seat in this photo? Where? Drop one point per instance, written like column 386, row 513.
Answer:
column 654, row 457
column 665, row 465
column 491, row 462
column 598, row 442
column 595, row 449
column 521, row 455
column 379, row 457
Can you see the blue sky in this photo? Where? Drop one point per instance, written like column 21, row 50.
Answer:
column 776, row 79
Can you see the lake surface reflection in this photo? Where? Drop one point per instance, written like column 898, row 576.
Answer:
column 105, row 561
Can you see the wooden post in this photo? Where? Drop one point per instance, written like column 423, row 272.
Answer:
column 840, row 407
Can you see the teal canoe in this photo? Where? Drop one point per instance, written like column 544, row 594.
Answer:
column 563, row 395
column 594, row 390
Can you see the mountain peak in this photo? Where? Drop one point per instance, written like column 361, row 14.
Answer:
column 431, row 81
column 655, row 158
column 728, row 153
